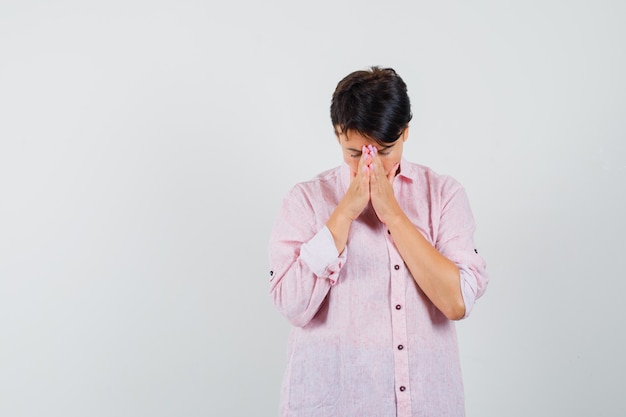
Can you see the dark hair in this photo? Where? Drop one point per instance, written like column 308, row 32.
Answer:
column 373, row 103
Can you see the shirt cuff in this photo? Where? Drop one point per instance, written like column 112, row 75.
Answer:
column 320, row 255
column 469, row 287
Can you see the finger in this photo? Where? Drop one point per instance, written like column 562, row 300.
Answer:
column 365, row 160
column 362, row 167
column 367, row 168
column 374, row 155
column 377, row 165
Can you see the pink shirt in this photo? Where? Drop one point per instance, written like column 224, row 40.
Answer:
column 366, row 341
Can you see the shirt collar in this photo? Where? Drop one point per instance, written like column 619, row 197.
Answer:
column 405, row 170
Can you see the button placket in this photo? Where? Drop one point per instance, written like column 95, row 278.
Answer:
column 399, row 330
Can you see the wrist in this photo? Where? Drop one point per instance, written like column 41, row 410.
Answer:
column 341, row 217
column 395, row 220
column 345, row 212
column 339, row 226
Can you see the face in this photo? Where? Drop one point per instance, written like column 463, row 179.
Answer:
column 352, row 142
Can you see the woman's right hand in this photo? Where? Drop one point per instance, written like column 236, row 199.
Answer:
column 358, row 193
column 353, row 202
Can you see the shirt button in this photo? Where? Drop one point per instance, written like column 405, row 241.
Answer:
column 271, row 273
column 402, row 388
column 396, row 267
column 398, row 306
column 400, row 347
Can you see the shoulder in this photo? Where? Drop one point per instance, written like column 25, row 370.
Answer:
column 323, row 183
column 425, row 177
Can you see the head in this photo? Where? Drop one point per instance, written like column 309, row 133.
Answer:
column 371, row 107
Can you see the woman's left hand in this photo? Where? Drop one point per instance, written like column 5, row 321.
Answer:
column 381, row 190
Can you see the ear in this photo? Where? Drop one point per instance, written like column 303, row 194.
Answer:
column 405, row 134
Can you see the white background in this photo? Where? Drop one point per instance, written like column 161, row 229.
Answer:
column 145, row 147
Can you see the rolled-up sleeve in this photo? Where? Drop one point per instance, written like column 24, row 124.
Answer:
column 456, row 242
column 320, row 254
column 304, row 262
column 469, row 288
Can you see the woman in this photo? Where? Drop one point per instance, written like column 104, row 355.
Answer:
column 372, row 262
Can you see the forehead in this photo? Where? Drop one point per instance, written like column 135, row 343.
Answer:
column 353, row 137
column 354, row 140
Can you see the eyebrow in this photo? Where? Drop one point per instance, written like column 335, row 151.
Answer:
column 384, row 148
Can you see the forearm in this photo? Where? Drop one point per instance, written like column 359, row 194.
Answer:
column 437, row 276
column 300, row 280
column 339, row 225
column 297, row 293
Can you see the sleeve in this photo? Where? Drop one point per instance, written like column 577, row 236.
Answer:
column 304, row 263
column 320, row 255
column 455, row 241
